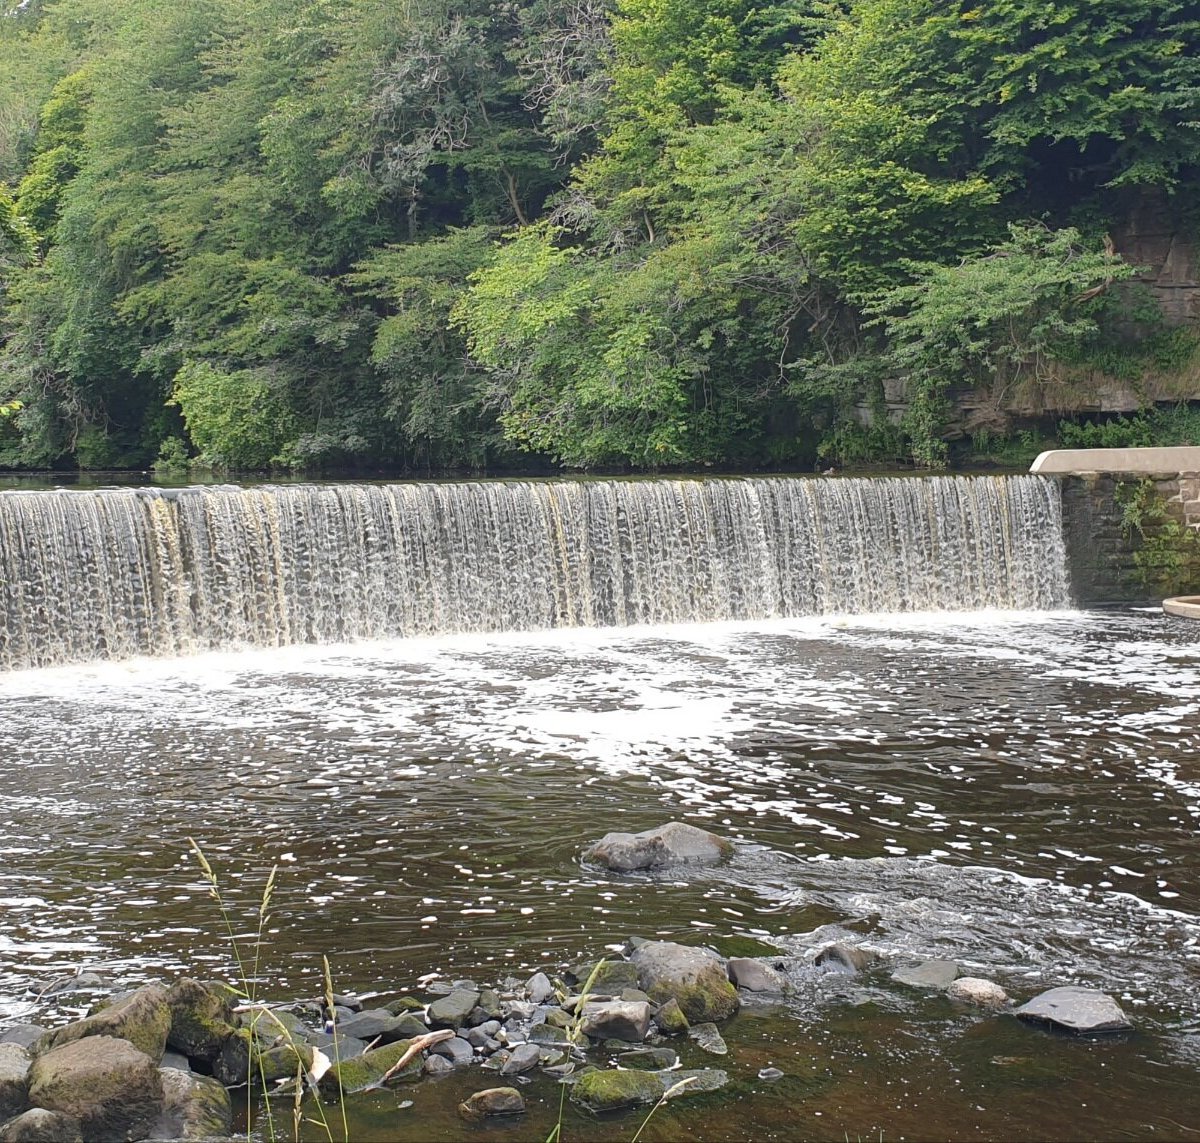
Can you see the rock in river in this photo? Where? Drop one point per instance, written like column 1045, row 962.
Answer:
column 696, row 978
column 617, row 1020
column 675, row 843
column 976, row 990
column 1082, row 1010
column 755, row 976
column 493, row 1101
column 935, row 974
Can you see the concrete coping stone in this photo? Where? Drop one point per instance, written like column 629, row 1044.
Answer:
column 1141, row 461
column 1185, row 606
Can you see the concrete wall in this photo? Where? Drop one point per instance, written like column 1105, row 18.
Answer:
column 1100, row 551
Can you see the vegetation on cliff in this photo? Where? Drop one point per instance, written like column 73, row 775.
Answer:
column 643, row 233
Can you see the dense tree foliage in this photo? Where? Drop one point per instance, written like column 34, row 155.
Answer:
column 479, row 233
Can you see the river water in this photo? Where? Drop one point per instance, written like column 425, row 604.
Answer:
column 1016, row 791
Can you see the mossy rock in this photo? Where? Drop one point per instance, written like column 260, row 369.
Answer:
column 141, row 1018
column 368, row 1069
column 612, row 1090
column 403, row 1004
column 611, row 977
column 282, row 1062
column 201, row 1019
column 670, row 1019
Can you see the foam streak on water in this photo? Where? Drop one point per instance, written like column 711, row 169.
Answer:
column 119, row 573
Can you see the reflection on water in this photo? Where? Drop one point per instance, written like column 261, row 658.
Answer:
column 1017, row 792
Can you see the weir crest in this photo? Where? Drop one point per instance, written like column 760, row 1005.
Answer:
column 117, row 573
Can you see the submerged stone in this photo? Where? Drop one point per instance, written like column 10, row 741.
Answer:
column 1080, row 1010
column 934, row 974
column 648, row 1059
column 492, row 1101
column 708, row 1038
column 692, row 1082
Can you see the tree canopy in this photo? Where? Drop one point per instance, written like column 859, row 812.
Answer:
column 626, row 233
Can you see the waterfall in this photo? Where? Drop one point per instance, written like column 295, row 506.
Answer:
column 117, row 573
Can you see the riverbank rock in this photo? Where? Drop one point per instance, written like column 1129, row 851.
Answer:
column 194, row 1107
column 143, row 1018
column 616, row 1020
column 14, row 1079
column 609, row 1090
column 112, row 1088
column 492, row 1101
column 933, row 974
column 40, row 1126
column 695, row 978
column 452, row 1010
column 665, row 846
column 976, row 990
column 201, row 1019
column 1081, row 1010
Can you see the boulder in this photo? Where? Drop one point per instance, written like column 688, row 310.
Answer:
column 616, row 1020
column 524, row 1057
column 369, row 1069
column 1081, row 1010
column 610, row 1090
column 194, row 1107
column 695, row 978
column 976, row 990
column 609, row 976
column 436, row 1066
column 14, row 1080
column 201, row 1019
column 112, row 1088
column 336, row 1046
column 284, row 1061
column 457, row 1051
column 665, row 846
column 754, row 975
column 539, row 988
column 379, row 1024
column 492, row 1101
column 40, row 1126
column 934, row 974
column 143, row 1018
column 452, row 1010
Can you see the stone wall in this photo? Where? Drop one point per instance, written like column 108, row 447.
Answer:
column 1101, row 552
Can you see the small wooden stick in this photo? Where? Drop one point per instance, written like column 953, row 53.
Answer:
column 419, row 1044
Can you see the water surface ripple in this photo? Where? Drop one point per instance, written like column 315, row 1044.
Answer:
column 1016, row 791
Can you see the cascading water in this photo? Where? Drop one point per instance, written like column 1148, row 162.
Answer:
column 117, row 573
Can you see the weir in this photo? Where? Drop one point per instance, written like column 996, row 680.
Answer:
column 118, row 573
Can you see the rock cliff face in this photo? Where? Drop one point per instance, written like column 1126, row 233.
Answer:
column 1156, row 240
